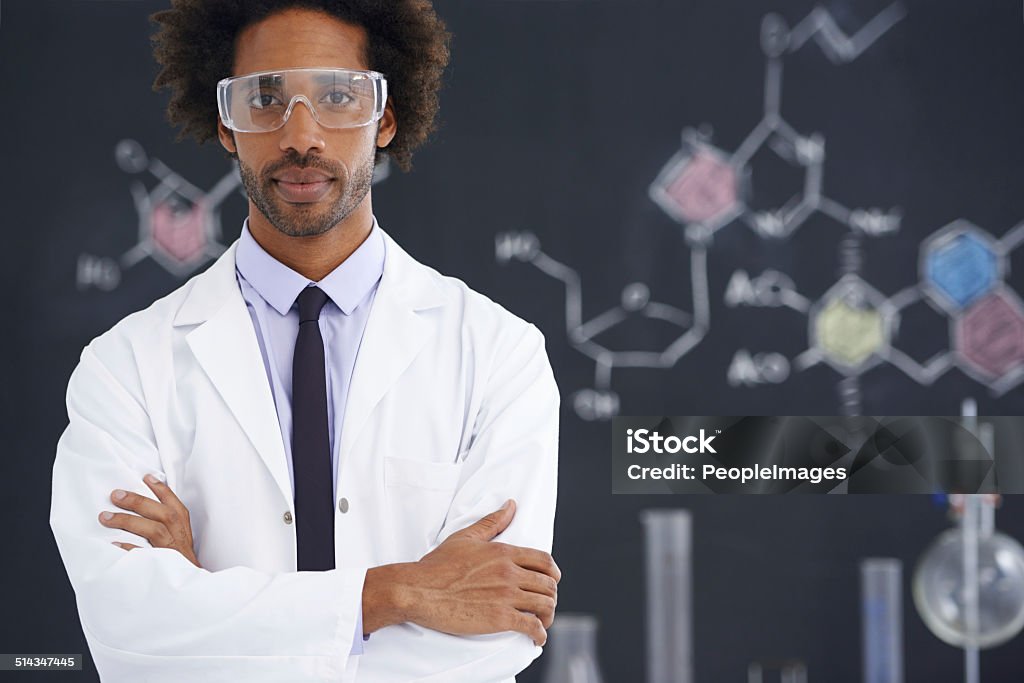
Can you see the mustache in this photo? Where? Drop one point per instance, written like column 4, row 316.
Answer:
column 295, row 160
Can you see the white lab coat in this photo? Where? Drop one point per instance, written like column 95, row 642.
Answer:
column 452, row 409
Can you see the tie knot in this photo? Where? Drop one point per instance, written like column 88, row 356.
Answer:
column 311, row 300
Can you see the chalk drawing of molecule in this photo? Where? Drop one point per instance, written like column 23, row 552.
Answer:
column 601, row 403
column 852, row 328
column 705, row 188
column 179, row 224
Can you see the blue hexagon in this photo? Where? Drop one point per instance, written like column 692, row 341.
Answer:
column 962, row 267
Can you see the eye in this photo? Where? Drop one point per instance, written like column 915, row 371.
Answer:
column 337, row 97
column 262, row 100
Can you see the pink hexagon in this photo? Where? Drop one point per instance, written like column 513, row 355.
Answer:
column 179, row 231
column 704, row 188
column 990, row 336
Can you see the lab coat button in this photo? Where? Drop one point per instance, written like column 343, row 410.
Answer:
column 288, row 517
column 343, row 505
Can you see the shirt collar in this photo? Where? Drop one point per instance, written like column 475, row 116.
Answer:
column 347, row 285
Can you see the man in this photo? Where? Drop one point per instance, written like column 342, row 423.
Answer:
column 333, row 427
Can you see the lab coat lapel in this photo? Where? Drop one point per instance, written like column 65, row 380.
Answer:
column 396, row 331
column 226, row 347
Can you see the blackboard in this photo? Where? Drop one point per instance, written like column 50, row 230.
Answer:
column 560, row 120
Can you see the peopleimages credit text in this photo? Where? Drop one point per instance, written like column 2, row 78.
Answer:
column 650, row 441
column 792, row 454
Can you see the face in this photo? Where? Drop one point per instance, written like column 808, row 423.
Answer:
column 302, row 150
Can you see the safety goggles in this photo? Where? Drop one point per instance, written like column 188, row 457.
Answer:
column 337, row 98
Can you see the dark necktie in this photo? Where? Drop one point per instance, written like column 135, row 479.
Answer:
column 311, row 445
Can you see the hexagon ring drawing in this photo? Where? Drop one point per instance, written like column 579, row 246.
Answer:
column 959, row 265
column 850, row 325
column 989, row 337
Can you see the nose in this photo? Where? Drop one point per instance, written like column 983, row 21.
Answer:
column 301, row 132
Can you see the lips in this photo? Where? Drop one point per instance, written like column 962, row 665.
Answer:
column 302, row 185
column 302, row 176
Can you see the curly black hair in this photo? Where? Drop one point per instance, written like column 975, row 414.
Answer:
column 407, row 42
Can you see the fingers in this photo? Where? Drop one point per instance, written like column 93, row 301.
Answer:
column 493, row 524
column 536, row 560
column 528, row 624
column 542, row 606
column 165, row 494
column 141, row 505
column 536, row 582
column 153, row 520
column 154, row 532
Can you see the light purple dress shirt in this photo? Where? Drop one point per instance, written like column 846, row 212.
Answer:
column 270, row 288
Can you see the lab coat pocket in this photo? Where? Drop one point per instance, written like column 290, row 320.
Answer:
column 419, row 493
column 433, row 476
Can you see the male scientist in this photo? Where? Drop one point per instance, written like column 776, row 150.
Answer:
column 319, row 460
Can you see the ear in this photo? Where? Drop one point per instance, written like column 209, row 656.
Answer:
column 227, row 137
column 388, row 126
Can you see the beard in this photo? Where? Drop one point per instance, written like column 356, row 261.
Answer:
column 315, row 218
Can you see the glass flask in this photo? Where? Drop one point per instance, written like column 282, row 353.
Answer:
column 941, row 593
column 570, row 655
column 788, row 670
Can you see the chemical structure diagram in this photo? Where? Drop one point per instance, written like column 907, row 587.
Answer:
column 179, row 224
column 601, row 402
column 852, row 327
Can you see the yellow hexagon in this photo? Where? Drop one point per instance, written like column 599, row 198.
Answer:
column 849, row 335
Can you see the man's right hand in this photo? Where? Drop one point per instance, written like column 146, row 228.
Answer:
column 468, row 585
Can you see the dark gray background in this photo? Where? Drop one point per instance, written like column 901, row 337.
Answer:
column 555, row 118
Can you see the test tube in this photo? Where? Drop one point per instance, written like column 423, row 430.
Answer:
column 881, row 586
column 669, row 596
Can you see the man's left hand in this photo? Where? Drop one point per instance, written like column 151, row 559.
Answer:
column 165, row 524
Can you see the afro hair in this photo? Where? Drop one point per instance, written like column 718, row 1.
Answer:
column 407, row 42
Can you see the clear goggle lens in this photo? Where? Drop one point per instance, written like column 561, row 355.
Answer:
column 337, row 98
